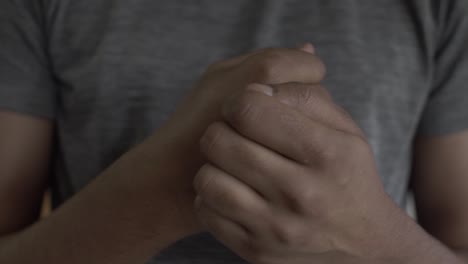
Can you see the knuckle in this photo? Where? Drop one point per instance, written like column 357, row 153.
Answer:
column 207, row 186
column 325, row 151
column 267, row 67
column 329, row 152
column 232, row 201
column 317, row 149
column 298, row 95
column 304, row 199
column 203, row 179
column 298, row 196
column 210, row 140
column 289, row 234
column 301, row 201
column 306, row 94
column 319, row 69
column 200, row 210
column 244, row 111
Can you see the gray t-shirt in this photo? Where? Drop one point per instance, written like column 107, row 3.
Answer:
column 109, row 72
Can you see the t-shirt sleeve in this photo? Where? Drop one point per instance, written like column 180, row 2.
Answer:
column 26, row 83
column 446, row 109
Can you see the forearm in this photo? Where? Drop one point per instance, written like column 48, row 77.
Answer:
column 439, row 253
column 420, row 247
column 121, row 217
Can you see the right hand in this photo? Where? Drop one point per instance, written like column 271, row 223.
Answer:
column 202, row 106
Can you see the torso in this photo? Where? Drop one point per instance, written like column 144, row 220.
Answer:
column 122, row 66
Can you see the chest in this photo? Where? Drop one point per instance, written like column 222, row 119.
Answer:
column 143, row 56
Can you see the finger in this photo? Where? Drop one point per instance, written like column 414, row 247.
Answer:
column 314, row 101
column 225, row 230
column 241, row 241
column 282, row 128
column 276, row 66
column 231, row 62
column 262, row 169
column 231, row 198
column 308, row 47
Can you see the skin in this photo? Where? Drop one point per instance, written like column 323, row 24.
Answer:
column 24, row 156
column 439, row 183
column 281, row 197
column 144, row 201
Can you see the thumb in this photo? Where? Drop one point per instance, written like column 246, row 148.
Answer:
column 312, row 100
column 301, row 95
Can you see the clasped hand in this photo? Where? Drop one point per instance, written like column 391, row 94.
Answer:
column 290, row 178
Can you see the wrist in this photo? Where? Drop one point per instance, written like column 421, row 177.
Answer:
column 416, row 246
column 173, row 160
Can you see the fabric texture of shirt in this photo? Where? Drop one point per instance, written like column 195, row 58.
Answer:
column 110, row 72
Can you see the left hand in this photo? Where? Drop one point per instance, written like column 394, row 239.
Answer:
column 292, row 179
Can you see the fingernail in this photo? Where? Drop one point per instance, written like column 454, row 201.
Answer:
column 307, row 47
column 264, row 89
